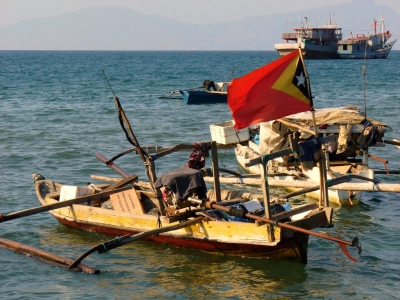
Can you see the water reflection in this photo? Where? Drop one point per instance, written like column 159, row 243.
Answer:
column 179, row 272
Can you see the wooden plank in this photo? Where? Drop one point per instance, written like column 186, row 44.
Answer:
column 127, row 201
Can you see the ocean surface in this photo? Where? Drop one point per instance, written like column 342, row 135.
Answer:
column 57, row 111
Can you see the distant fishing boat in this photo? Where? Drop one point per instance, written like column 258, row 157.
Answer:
column 315, row 42
column 373, row 46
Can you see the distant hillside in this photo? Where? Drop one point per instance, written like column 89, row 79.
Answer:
column 116, row 28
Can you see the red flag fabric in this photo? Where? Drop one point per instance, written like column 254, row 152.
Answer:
column 273, row 91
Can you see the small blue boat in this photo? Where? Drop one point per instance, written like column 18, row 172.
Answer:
column 203, row 97
column 209, row 93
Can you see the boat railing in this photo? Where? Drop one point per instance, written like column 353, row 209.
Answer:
column 289, row 35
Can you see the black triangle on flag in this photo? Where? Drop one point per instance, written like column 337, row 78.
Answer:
column 301, row 81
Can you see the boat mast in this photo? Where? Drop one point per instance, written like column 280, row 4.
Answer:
column 383, row 30
column 324, row 199
column 364, row 72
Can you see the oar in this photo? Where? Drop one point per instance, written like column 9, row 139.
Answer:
column 114, row 188
column 342, row 244
column 119, row 241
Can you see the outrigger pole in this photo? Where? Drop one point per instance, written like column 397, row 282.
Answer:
column 322, row 162
column 126, row 239
column 47, row 257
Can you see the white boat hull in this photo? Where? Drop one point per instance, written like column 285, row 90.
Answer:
column 308, row 51
column 337, row 197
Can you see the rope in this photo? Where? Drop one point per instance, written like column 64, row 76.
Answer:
column 104, row 246
column 159, row 224
column 264, row 163
column 19, row 193
column 119, row 155
column 37, row 177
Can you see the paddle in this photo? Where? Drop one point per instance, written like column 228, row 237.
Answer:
column 342, row 244
column 119, row 241
column 114, row 188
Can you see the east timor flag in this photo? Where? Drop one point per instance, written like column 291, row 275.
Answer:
column 278, row 89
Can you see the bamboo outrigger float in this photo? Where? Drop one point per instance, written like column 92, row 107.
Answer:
column 46, row 257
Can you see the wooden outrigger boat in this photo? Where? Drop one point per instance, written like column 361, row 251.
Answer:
column 343, row 156
column 247, row 239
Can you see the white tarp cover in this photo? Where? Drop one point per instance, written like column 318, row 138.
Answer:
column 272, row 137
column 338, row 115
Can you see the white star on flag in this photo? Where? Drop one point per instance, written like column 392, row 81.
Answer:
column 300, row 79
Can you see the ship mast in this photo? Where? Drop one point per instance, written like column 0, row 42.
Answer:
column 383, row 30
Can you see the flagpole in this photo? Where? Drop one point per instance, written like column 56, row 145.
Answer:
column 322, row 162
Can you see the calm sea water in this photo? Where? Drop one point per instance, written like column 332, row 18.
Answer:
column 57, row 112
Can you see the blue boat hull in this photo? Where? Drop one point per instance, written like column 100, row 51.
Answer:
column 363, row 54
column 363, row 51
column 204, row 97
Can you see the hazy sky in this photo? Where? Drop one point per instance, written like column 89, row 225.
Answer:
column 189, row 11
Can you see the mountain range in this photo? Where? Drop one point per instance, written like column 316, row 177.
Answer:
column 118, row 28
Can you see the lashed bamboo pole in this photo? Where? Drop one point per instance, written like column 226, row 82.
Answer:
column 45, row 256
column 351, row 186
